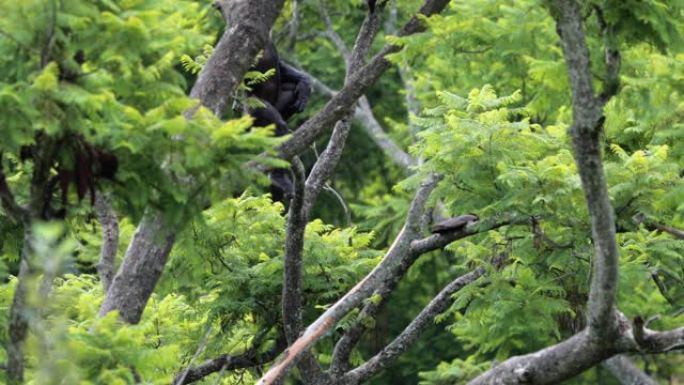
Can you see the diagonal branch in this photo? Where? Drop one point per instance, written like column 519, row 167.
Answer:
column 418, row 247
column 327, row 162
column 248, row 359
column 410, row 334
column 391, row 261
column 624, row 370
column 357, row 84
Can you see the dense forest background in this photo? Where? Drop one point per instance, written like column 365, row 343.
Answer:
column 552, row 131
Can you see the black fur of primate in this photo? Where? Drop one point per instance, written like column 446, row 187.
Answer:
column 282, row 95
column 89, row 165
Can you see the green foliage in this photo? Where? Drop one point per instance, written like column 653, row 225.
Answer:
column 491, row 81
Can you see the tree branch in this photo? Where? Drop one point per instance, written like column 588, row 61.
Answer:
column 226, row 362
column 359, row 82
column 440, row 240
column 110, row 240
column 249, row 24
column 393, row 258
column 587, row 124
column 327, row 162
column 624, row 370
column 410, row 334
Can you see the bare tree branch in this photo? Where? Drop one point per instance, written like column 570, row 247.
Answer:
column 587, row 124
column 652, row 341
column 410, row 335
column 294, row 243
column 248, row 359
column 327, row 162
column 393, row 258
column 363, row 113
column 624, row 370
column 110, row 240
column 655, row 225
column 440, row 240
column 357, row 84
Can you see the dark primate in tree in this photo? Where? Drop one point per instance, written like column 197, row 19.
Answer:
column 79, row 163
column 282, row 95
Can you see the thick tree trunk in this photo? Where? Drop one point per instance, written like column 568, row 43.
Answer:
column 248, row 32
column 141, row 268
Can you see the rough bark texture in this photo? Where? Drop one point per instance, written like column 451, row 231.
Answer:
column 585, row 131
column 624, row 370
column 548, row 366
column 18, row 318
column 141, row 268
column 110, row 240
column 249, row 24
column 294, row 243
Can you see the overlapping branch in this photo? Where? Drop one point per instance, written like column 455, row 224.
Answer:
column 357, row 84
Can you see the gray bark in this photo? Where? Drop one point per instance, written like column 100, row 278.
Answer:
column 412, row 332
column 249, row 24
column 624, row 370
column 342, row 103
column 110, row 240
column 19, row 317
column 585, row 131
column 141, row 268
column 393, row 258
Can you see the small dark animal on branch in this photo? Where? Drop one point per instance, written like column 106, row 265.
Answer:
column 282, row 95
column 454, row 224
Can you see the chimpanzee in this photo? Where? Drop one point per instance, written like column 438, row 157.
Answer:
column 283, row 94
